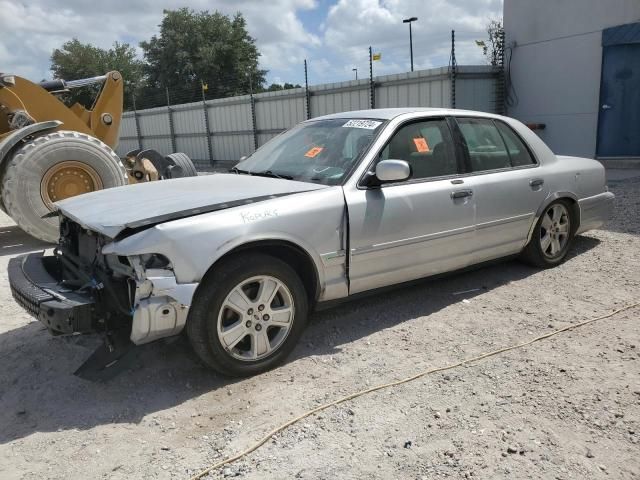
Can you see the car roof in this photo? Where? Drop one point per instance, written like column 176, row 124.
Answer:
column 390, row 113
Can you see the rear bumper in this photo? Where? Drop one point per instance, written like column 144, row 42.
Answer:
column 35, row 285
column 595, row 211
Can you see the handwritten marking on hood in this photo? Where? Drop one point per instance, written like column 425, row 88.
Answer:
column 248, row 217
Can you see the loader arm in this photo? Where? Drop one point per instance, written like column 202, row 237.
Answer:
column 102, row 121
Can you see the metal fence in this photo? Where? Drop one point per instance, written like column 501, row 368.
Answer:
column 218, row 132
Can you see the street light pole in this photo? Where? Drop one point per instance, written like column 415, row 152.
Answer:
column 355, row 70
column 409, row 21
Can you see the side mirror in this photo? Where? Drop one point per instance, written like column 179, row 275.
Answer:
column 392, row 171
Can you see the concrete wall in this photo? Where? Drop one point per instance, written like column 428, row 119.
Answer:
column 233, row 132
column 556, row 65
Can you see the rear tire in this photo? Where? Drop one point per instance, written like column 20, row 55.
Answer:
column 552, row 236
column 233, row 329
column 37, row 160
column 183, row 160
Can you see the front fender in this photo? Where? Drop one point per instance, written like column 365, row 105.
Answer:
column 152, row 241
column 314, row 223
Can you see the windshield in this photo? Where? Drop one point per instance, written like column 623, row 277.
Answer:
column 321, row 151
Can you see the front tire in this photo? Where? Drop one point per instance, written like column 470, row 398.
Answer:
column 552, row 236
column 247, row 315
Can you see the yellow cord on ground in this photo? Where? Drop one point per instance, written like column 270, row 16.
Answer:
column 275, row 431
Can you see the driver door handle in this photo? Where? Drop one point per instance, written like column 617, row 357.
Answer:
column 461, row 194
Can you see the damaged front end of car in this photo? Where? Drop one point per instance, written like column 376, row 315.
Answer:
column 129, row 300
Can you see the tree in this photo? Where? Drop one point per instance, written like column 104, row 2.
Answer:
column 491, row 49
column 274, row 87
column 195, row 48
column 75, row 60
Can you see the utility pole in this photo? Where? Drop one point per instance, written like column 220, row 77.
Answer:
column 453, row 69
column 207, row 126
column 409, row 21
column 307, row 96
column 500, row 81
column 136, row 120
column 252, row 102
column 172, row 130
column 372, row 93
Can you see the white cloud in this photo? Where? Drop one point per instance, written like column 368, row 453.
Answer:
column 353, row 25
column 33, row 28
column 39, row 26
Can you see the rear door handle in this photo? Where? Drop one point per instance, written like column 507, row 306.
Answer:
column 536, row 182
column 461, row 194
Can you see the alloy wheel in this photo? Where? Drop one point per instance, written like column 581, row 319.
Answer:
column 555, row 230
column 255, row 318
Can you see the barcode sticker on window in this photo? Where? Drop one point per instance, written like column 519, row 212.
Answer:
column 312, row 152
column 368, row 124
column 421, row 144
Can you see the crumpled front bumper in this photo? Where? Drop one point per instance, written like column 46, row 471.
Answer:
column 35, row 284
column 160, row 303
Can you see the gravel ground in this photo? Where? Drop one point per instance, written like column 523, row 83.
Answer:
column 564, row 408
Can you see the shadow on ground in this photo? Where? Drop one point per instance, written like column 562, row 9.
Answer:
column 38, row 392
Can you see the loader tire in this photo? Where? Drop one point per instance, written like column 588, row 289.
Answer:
column 183, row 160
column 53, row 167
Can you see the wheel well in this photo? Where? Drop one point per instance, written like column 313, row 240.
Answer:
column 575, row 211
column 291, row 254
column 573, row 206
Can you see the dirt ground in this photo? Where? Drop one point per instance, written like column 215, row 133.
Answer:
column 564, row 408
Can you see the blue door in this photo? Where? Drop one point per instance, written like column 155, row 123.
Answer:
column 619, row 115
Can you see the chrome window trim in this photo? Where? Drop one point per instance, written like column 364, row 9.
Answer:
column 395, row 124
column 499, row 170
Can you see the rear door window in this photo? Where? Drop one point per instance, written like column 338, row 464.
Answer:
column 487, row 150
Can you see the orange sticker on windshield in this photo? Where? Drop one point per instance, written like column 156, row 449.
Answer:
column 421, row 144
column 313, row 152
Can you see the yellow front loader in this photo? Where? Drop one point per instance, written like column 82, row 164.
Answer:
column 49, row 152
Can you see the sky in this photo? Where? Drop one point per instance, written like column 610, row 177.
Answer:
column 333, row 35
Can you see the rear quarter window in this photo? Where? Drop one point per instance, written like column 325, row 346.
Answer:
column 518, row 151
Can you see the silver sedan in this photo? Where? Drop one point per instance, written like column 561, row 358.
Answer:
column 338, row 205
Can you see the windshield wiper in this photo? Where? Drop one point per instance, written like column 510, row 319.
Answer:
column 266, row 173
column 239, row 171
column 269, row 173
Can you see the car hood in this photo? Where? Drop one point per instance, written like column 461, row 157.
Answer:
column 111, row 211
